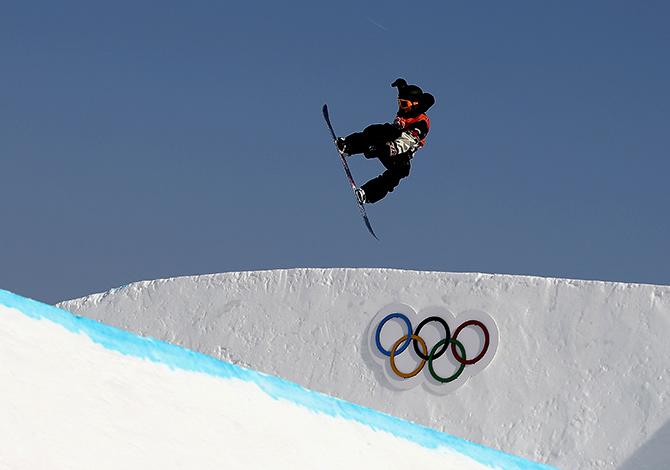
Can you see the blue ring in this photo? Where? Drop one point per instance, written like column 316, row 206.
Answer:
column 379, row 331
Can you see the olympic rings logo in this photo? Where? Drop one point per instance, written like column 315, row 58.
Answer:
column 454, row 349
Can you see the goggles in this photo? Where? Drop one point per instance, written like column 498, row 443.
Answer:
column 406, row 104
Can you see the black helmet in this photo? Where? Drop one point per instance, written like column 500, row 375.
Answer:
column 410, row 92
column 411, row 98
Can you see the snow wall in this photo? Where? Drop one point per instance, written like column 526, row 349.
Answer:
column 77, row 394
column 579, row 377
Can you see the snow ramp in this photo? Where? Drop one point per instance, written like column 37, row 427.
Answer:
column 77, row 394
column 575, row 374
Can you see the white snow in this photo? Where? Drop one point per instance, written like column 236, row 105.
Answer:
column 76, row 394
column 580, row 378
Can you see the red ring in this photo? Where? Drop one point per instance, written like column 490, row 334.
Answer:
column 486, row 342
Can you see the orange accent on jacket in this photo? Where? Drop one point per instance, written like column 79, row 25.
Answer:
column 406, row 123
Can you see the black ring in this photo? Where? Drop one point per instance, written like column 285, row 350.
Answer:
column 445, row 346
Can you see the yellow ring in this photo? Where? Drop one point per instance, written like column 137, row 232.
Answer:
column 423, row 361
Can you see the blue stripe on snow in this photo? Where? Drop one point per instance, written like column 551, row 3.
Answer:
column 184, row 359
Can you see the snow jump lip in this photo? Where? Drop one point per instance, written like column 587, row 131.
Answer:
column 183, row 359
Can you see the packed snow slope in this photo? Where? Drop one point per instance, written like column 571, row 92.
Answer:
column 77, row 394
column 580, row 376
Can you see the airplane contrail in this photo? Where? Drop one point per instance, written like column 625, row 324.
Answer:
column 380, row 26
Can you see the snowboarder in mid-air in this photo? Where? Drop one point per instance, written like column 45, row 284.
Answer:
column 393, row 144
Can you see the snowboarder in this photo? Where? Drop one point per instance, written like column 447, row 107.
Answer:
column 393, row 144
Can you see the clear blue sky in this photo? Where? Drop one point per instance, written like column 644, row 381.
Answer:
column 142, row 140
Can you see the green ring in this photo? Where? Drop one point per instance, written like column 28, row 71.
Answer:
column 432, row 354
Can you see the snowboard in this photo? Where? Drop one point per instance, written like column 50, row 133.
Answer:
column 361, row 208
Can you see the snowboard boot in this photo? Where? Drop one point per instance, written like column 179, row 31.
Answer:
column 360, row 195
column 342, row 146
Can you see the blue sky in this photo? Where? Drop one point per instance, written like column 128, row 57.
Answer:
column 143, row 140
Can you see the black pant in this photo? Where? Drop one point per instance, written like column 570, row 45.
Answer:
column 397, row 166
